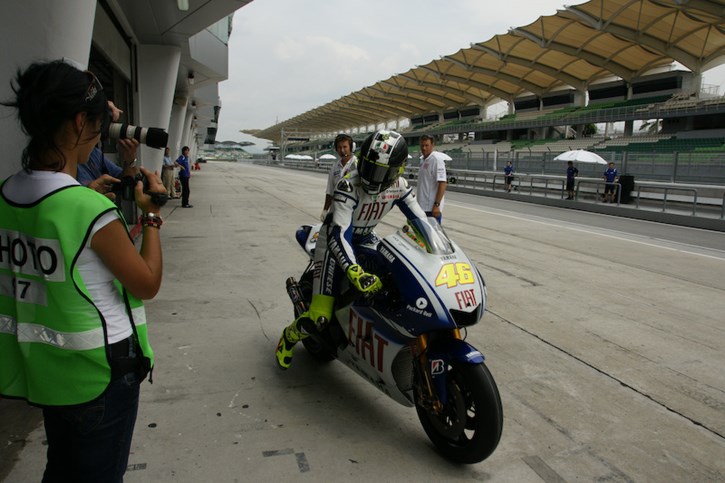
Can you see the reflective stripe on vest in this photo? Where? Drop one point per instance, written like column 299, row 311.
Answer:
column 90, row 339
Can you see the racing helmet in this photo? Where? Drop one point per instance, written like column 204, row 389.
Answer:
column 382, row 159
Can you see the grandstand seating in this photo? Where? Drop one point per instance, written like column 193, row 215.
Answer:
column 567, row 116
column 503, row 146
column 452, row 147
column 561, row 145
column 662, row 144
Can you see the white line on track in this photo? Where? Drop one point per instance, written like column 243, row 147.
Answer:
column 622, row 236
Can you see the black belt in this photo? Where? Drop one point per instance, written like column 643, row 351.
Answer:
column 122, row 349
column 124, row 358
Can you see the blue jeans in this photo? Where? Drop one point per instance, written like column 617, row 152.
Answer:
column 91, row 442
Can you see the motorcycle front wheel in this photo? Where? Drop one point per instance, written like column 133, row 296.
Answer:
column 469, row 427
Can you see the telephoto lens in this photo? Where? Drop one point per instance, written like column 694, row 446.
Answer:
column 153, row 137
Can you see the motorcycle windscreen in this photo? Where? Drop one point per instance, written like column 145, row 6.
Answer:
column 431, row 233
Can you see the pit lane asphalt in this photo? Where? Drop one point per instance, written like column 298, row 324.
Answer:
column 605, row 337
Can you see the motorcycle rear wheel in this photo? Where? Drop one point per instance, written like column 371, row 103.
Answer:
column 469, row 427
column 316, row 350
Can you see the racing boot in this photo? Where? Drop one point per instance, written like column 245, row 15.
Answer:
column 320, row 311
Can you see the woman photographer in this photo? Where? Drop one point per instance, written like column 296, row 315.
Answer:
column 73, row 336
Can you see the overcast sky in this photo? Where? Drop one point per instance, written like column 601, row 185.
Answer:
column 289, row 56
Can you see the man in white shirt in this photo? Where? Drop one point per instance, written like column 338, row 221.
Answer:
column 432, row 179
column 344, row 146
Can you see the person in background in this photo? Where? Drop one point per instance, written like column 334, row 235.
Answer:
column 432, row 179
column 343, row 145
column 184, row 175
column 167, row 173
column 508, row 172
column 77, row 344
column 100, row 173
column 611, row 176
column 571, row 174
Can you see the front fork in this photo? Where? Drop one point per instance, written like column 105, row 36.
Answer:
column 432, row 357
column 431, row 396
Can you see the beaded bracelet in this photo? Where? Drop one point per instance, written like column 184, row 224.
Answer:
column 151, row 219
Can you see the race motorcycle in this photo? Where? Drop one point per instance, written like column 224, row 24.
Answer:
column 407, row 339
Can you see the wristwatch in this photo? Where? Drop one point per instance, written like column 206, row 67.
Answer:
column 435, row 203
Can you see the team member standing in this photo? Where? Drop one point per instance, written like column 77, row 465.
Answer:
column 571, row 174
column 184, row 175
column 343, row 146
column 432, row 179
column 73, row 337
column 611, row 176
column 508, row 172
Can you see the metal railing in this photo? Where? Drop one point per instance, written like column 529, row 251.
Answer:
column 617, row 188
column 658, row 195
column 665, row 191
column 546, row 180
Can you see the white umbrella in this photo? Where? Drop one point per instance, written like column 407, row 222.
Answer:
column 328, row 156
column 582, row 156
column 291, row 156
column 306, row 157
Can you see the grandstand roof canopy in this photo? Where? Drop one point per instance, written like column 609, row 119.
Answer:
column 574, row 48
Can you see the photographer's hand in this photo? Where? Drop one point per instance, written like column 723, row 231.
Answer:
column 103, row 185
column 115, row 111
column 127, row 149
column 143, row 200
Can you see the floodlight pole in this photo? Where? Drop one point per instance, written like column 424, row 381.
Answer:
column 283, row 146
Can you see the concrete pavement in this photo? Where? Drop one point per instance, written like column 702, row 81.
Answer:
column 606, row 344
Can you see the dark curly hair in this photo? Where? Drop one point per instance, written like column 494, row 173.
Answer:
column 47, row 94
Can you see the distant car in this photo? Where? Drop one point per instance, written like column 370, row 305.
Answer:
column 451, row 176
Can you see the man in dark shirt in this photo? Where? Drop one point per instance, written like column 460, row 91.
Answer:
column 571, row 173
column 184, row 175
column 509, row 175
column 611, row 176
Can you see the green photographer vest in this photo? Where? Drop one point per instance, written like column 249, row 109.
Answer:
column 53, row 343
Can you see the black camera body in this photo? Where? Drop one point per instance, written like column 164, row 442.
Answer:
column 125, row 190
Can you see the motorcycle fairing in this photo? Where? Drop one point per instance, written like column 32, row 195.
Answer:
column 373, row 353
column 440, row 353
column 425, row 307
column 450, row 349
column 306, row 236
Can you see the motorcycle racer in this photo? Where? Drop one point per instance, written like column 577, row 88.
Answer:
column 347, row 239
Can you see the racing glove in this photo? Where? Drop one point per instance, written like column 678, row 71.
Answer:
column 366, row 283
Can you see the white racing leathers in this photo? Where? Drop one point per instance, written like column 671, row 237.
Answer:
column 347, row 237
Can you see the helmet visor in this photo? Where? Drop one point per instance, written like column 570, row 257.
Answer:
column 376, row 177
